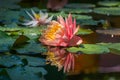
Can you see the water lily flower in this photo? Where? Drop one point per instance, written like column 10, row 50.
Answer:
column 61, row 33
column 61, row 59
column 37, row 19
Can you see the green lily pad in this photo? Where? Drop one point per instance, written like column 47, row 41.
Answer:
column 26, row 73
column 63, row 14
column 20, row 41
column 107, row 11
column 114, row 47
column 10, row 27
column 31, row 48
column 81, row 17
column 80, row 5
column 89, row 49
column 87, row 22
column 82, row 31
column 9, row 4
column 34, row 61
column 109, row 3
column 76, row 10
column 10, row 60
column 6, row 42
column 32, row 33
column 8, row 16
column 4, row 75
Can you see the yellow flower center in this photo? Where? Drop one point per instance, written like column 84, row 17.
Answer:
column 37, row 16
column 51, row 32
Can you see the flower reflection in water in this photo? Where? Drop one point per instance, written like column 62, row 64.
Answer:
column 60, row 58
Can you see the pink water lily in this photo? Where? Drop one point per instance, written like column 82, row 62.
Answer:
column 61, row 33
column 37, row 19
column 61, row 59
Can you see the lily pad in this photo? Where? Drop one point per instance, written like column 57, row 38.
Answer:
column 20, row 41
column 34, row 61
column 107, row 11
column 73, row 15
column 10, row 60
column 6, row 4
column 109, row 3
column 6, row 42
column 63, row 14
column 31, row 48
column 32, row 33
column 26, row 73
column 114, row 47
column 82, row 31
column 10, row 27
column 80, row 5
column 89, row 49
column 76, row 10
column 9, row 16
column 87, row 22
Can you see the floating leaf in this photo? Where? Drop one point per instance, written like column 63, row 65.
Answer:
column 10, row 60
column 57, row 14
column 10, row 28
column 90, row 49
column 8, row 19
column 20, row 41
column 6, row 42
column 79, row 5
column 107, row 11
column 32, row 33
column 3, row 35
column 34, row 61
column 88, row 22
column 82, row 31
column 6, row 4
column 26, row 73
column 76, row 10
column 114, row 47
column 31, row 48
column 82, row 17
column 109, row 3
column 4, row 75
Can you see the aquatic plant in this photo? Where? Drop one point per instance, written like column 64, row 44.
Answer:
column 107, row 11
column 61, row 33
column 108, row 3
column 37, row 19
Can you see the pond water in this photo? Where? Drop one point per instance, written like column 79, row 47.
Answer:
column 94, row 66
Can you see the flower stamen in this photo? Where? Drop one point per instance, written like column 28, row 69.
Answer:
column 51, row 32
